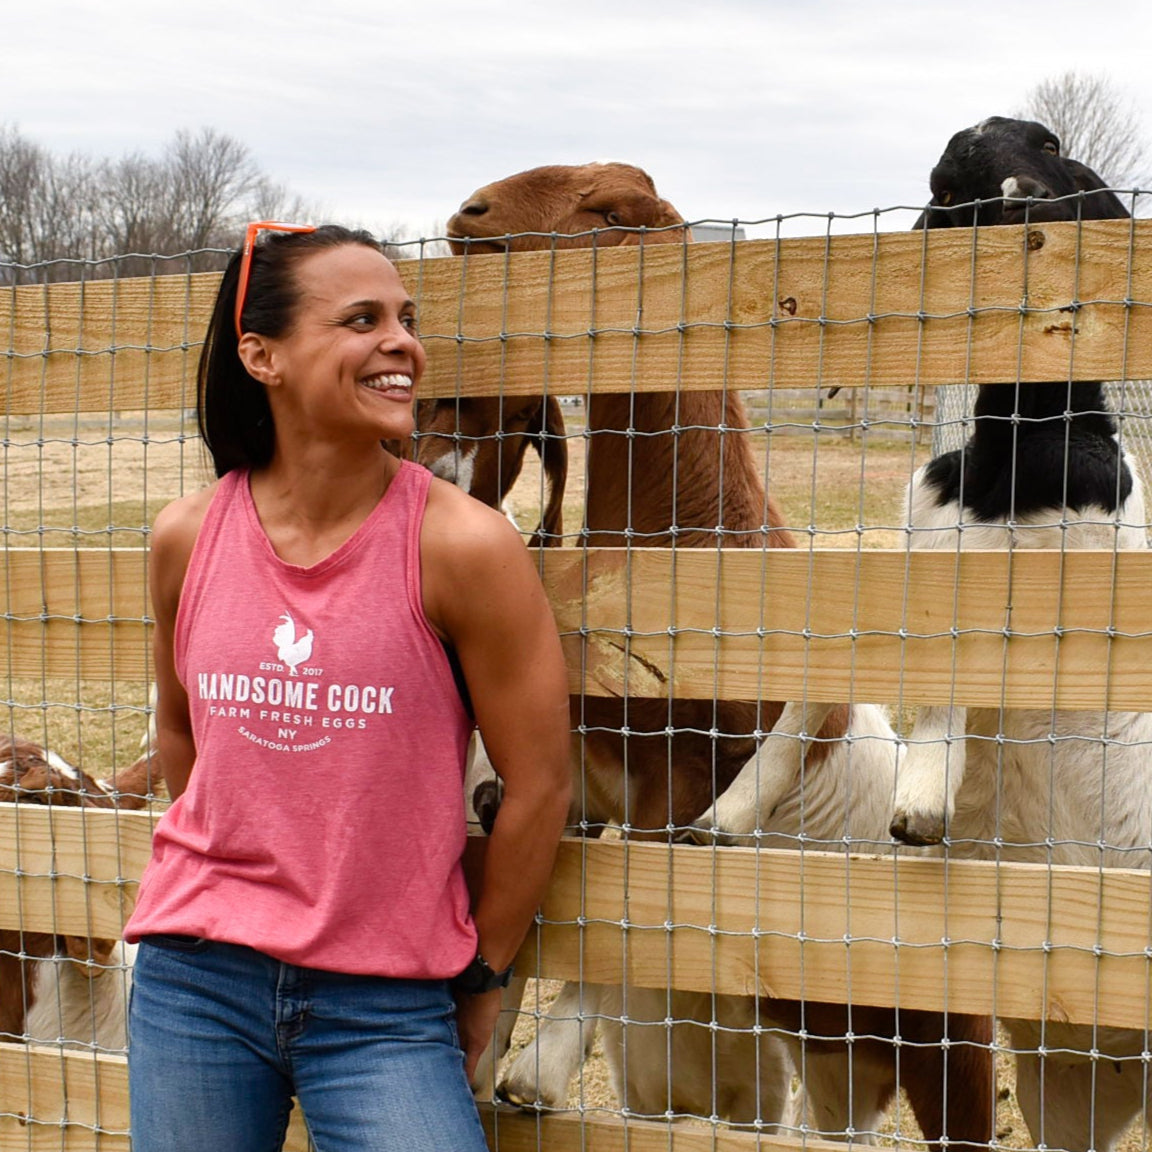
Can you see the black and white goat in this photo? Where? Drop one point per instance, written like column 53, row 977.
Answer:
column 1000, row 171
column 1044, row 468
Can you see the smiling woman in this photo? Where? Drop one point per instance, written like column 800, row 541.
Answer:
column 397, row 613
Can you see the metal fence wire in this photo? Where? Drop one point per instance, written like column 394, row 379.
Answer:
column 778, row 660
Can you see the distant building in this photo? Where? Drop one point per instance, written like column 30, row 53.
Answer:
column 711, row 232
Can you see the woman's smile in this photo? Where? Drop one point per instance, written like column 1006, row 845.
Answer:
column 394, row 385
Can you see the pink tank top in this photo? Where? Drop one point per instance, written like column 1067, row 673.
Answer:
column 323, row 822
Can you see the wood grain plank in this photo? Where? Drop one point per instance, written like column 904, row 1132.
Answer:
column 75, row 1101
column 511, row 1130
column 79, row 1102
column 1022, row 629
column 1027, row 629
column 1068, row 944
column 1051, row 302
column 63, row 870
column 1023, row 940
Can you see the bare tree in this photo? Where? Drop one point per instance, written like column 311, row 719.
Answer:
column 135, row 195
column 128, row 216
column 46, row 210
column 1096, row 124
column 272, row 201
column 23, row 171
column 212, row 175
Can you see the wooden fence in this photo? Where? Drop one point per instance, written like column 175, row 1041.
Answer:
column 1073, row 630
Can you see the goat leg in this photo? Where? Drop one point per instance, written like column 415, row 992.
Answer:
column 541, row 1073
column 484, row 1078
column 930, row 776
column 773, row 772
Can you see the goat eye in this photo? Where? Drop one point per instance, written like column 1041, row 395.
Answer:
column 613, row 218
column 1052, row 147
column 945, row 198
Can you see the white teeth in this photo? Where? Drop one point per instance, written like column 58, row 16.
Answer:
column 387, row 382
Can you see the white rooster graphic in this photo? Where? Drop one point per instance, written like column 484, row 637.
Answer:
column 288, row 648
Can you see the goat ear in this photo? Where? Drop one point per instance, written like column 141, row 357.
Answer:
column 132, row 785
column 83, row 951
column 1104, row 205
column 553, row 450
column 934, row 216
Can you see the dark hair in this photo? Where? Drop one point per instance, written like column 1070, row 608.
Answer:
column 232, row 408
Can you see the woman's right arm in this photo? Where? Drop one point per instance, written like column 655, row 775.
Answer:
column 173, row 537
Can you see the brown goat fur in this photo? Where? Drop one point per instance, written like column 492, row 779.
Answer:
column 565, row 205
column 452, row 427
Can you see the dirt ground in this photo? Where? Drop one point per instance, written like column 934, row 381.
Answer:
column 99, row 483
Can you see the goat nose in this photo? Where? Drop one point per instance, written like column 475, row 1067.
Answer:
column 477, row 206
column 1021, row 187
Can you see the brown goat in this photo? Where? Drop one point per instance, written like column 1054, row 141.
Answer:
column 30, row 774
column 680, row 484
column 661, row 473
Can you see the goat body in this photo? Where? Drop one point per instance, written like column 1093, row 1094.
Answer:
column 80, row 1008
column 676, row 469
column 1042, row 469
column 57, row 987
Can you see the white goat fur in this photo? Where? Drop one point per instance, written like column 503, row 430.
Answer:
column 1092, row 785
column 80, row 1008
column 848, row 794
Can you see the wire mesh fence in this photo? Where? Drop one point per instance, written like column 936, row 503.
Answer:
column 774, row 659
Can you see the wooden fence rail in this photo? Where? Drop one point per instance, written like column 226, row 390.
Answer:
column 1066, row 943
column 80, row 1104
column 1050, row 302
column 1031, row 629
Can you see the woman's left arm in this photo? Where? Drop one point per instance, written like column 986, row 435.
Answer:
column 482, row 592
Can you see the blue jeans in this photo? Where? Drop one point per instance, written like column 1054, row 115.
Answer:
column 221, row 1037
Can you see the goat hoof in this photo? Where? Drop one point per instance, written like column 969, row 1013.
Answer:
column 709, row 836
column 510, row 1096
column 917, row 828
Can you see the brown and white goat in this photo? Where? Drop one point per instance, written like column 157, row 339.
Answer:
column 462, row 456
column 60, row 987
column 661, row 472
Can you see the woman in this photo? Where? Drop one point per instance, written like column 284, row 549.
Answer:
column 329, row 621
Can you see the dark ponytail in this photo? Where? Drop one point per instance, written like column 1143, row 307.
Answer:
column 232, row 408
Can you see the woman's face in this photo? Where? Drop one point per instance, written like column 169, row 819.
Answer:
column 351, row 360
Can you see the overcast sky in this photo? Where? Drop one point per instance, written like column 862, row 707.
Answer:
column 393, row 112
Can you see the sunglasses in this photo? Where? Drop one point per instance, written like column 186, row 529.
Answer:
column 254, row 229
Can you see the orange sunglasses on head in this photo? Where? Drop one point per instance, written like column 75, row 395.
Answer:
column 254, row 229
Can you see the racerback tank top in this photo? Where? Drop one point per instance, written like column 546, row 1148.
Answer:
column 323, row 822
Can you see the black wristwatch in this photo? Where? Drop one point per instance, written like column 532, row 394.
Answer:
column 478, row 977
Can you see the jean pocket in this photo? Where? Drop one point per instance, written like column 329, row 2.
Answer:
column 177, row 942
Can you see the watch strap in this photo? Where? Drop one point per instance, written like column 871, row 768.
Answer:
column 479, row 976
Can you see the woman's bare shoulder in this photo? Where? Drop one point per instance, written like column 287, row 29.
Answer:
column 177, row 524
column 473, row 560
column 459, row 527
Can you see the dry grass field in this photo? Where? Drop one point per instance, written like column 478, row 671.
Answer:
column 98, row 483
